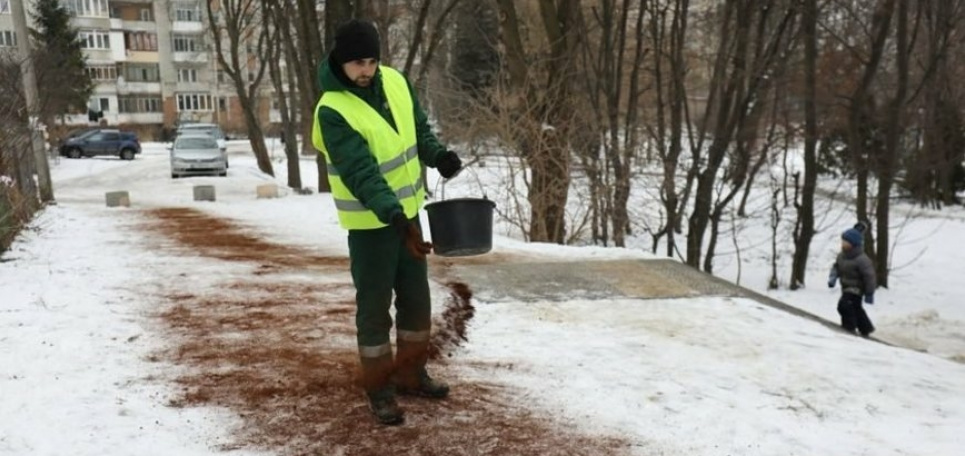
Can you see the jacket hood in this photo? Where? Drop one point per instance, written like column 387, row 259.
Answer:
column 327, row 79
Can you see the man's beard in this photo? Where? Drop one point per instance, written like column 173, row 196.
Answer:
column 363, row 81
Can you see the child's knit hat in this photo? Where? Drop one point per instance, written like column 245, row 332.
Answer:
column 853, row 236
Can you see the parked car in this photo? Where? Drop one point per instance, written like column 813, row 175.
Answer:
column 101, row 141
column 210, row 129
column 194, row 154
column 204, row 128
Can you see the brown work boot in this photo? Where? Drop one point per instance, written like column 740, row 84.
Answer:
column 410, row 377
column 379, row 389
column 383, row 405
column 423, row 386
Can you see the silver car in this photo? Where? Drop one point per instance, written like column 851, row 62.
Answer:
column 197, row 154
column 204, row 128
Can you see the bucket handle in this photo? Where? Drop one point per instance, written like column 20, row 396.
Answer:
column 467, row 165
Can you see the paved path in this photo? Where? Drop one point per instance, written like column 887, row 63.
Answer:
column 640, row 279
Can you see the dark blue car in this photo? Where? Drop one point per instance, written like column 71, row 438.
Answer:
column 101, row 141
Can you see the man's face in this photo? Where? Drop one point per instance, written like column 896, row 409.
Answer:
column 361, row 71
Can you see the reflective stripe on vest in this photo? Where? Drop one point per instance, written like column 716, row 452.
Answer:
column 396, row 152
column 391, row 165
column 357, row 206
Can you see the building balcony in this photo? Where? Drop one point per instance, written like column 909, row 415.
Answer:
column 142, row 56
column 88, row 22
column 193, row 87
column 190, row 57
column 187, row 27
column 104, row 87
column 133, row 26
column 73, row 119
column 99, row 55
column 125, row 87
column 140, row 118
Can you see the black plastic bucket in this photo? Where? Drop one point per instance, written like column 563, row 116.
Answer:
column 461, row 226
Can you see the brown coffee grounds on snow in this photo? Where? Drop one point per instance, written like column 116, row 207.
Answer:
column 278, row 350
column 451, row 332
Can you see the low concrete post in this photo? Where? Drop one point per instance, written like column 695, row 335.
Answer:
column 204, row 192
column 118, row 199
column 267, row 191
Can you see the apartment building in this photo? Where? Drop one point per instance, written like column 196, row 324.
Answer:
column 153, row 65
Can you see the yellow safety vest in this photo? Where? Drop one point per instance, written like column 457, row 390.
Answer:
column 396, row 152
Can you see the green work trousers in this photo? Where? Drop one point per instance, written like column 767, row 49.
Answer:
column 381, row 265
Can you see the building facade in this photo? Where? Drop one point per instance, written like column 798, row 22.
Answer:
column 153, row 65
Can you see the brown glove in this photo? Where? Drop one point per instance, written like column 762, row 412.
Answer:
column 414, row 243
column 412, row 237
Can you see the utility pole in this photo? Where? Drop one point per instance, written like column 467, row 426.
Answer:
column 33, row 104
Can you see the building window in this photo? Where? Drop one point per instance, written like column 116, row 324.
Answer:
column 8, row 38
column 221, row 76
column 187, row 11
column 102, row 72
column 147, row 15
column 187, row 75
column 4, row 6
column 87, row 8
column 141, row 73
column 94, row 39
column 103, row 104
column 194, row 102
column 139, row 103
column 140, row 41
column 222, row 104
column 187, row 43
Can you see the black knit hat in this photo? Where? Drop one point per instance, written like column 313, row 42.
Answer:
column 355, row 40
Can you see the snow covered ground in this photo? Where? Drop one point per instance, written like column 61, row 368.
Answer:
column 707, row 376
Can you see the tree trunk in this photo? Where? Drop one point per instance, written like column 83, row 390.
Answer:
column 243, row 28
column 893, row 131
column 549, row 119
column 278, row 47
column 804, row 228
column 337, row 12
column 308, row 52
column 740, row 86
column 283, row 44
column 861, row 121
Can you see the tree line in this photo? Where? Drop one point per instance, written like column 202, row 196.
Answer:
column 703, row 94
column 707, row 94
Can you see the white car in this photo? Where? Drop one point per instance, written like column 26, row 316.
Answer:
column 194, row 154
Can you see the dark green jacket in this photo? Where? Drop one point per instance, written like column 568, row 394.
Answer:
column 351, row 155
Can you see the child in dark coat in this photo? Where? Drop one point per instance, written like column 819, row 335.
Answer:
column 857, row 274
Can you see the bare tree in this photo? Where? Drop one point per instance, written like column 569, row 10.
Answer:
column 752, row 38
column 18, row 189
column 804, row 226
column 894, row 128
column 939, row 151
column 545, row 146
column 614, row 53
column 430, row 45
column 303, row 51
column 237, row 26
column 279, row 44
column 668, row 72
